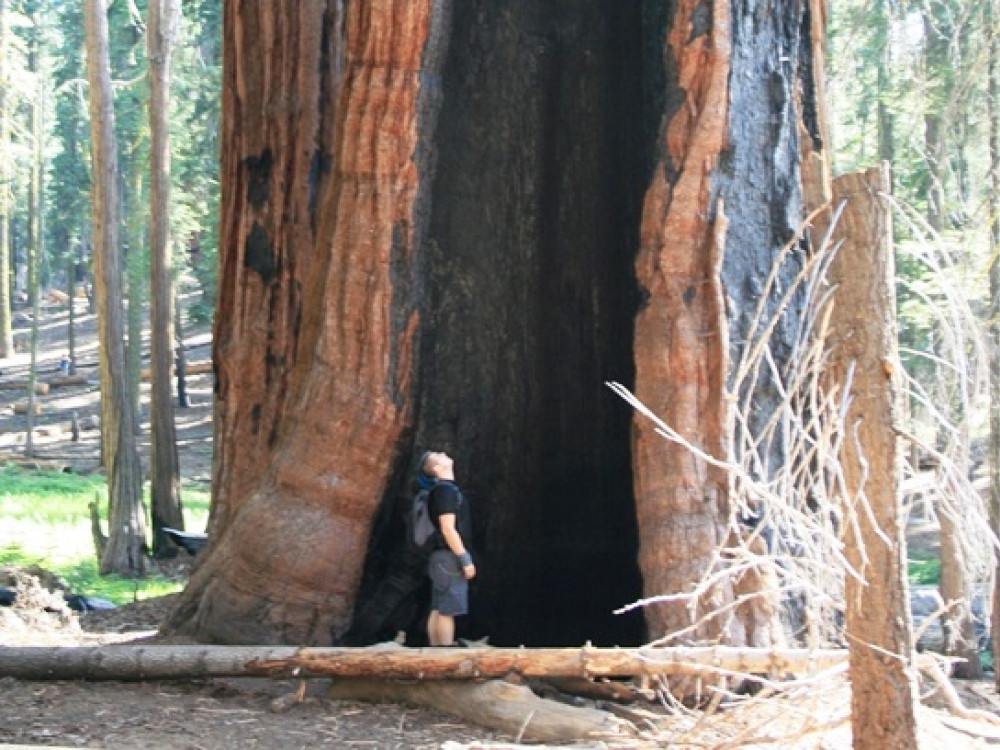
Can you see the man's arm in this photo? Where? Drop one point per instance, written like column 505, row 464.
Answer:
column 454, row 541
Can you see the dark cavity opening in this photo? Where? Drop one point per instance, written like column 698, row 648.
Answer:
column 543, row 147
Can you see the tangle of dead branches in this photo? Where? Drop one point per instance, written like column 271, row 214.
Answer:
column 788, row 516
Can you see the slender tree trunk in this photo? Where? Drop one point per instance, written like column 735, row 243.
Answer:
column 165, row 501
column 883, row 677
column 959, row 628
column 993, row 110
column 884, row 120
column 71, row 327
column 125, row 550
column 34, row 229
column 6, row 279
column 183, row 400
column 135, row 277
column 935, row 58
column 934, row 148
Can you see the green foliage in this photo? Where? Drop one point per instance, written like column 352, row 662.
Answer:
column 194, row 120
column 925, row 571
column 195, row 113
column 917, row 72
column 46, row 522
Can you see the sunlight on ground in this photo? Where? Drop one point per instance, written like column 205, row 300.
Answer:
column 45, row 521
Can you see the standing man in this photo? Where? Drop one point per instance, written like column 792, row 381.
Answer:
column 450, row 567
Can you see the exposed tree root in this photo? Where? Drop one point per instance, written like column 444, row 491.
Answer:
column 499, row 705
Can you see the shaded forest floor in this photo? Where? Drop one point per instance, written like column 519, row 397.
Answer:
column 239, row 713
column 52, row 427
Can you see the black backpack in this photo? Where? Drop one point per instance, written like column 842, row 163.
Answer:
column 424, row 532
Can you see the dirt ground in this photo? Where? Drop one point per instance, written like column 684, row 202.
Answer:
column 193, row 714
column 239, row 713
column 253, row 712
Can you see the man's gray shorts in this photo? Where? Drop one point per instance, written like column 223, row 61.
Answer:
column 449, row 587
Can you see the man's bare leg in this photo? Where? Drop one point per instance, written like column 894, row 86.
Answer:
column 440, row 629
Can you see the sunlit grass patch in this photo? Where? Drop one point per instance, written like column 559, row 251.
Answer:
column 45, row 521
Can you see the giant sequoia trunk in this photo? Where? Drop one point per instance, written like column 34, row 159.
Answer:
column 448, row 224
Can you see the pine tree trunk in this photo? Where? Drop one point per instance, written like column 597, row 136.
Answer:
column 863, row 324
column 884, row 118
column 165, row 501
column 993, row 110
column 956, row 584
column 183, row 400
column 136, row 286
column 71, row 326
column 6, row 278
column 125, row 549
column 34, row 229
column 935, row 60
column 430, row 238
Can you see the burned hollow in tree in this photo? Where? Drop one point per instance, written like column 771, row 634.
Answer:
column 478, row 217
column 544, row 149
column 546, row 144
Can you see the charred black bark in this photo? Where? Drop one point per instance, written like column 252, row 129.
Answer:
column 760, row 182
column 543, row 151
column 548, row 129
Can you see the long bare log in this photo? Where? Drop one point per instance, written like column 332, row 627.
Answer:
column 512, row 709
column 41, row 389
column 192, row 368
column 167, row 662
column 65, row 381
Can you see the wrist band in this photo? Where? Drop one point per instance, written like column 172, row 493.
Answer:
column 466, row 559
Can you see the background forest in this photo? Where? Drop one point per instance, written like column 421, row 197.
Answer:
column 44, row 124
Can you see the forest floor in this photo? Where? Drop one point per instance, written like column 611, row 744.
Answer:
column 254, row 713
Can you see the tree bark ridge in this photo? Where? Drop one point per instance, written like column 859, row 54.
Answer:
column 883, row 676
column 681, row 337
column 306, row 497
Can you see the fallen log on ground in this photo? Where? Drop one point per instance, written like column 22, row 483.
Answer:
column 41, row 388
column 64, row 381
column 49, row 463
column 499, row 705
column 192, row 368
column 21, row 407
column 396, row 662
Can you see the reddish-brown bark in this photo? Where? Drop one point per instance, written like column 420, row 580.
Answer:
column 681, row 337
column 165, row 477
column 883, row 681
column 321, row 203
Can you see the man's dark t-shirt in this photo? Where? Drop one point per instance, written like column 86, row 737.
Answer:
column 446, row 498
